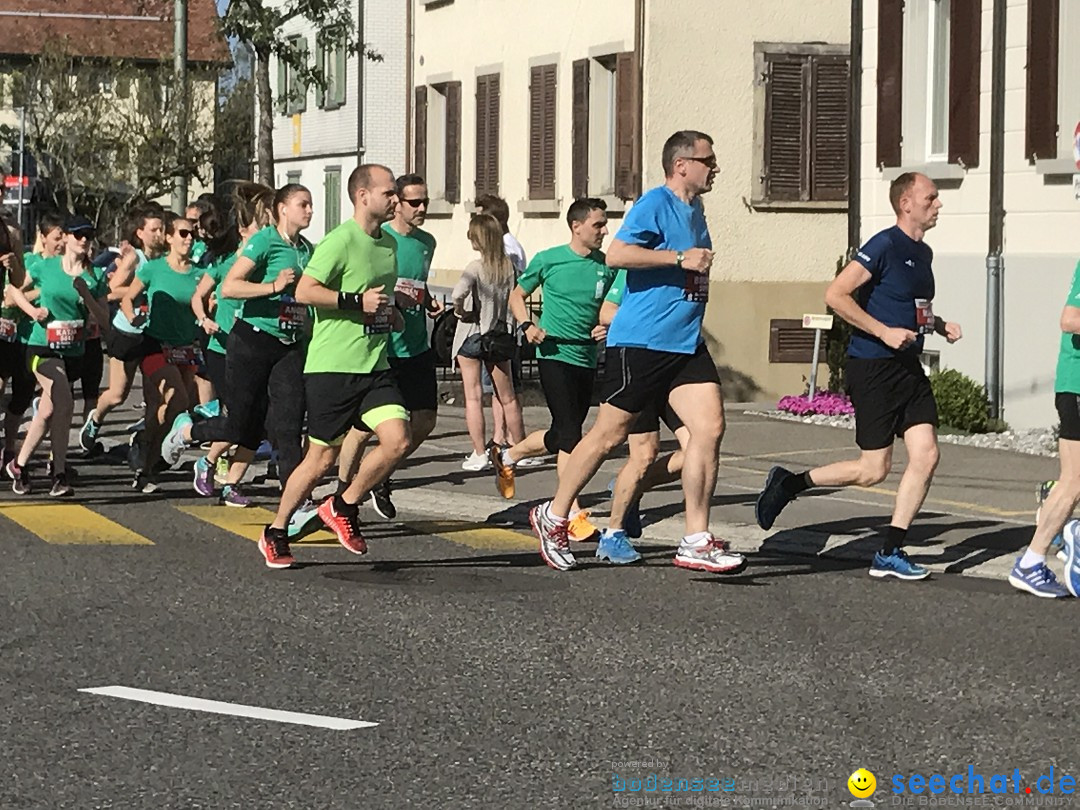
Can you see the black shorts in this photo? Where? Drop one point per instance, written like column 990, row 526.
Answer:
column 648, row 420
column 568, row 391
column 889, row 395
column 338, row 401
column 127, row 347
column 14, row 369
column 87, row 369
column 216, row 366
column 635, row 379
column 417, row 381
column 1068, row 408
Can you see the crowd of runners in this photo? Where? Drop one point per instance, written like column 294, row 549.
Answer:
column 246, row 336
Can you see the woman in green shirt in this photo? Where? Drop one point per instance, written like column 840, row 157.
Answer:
column 15, row 375
column 71, row 291
column 169, row 366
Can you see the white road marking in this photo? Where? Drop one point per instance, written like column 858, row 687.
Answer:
column 236, row 709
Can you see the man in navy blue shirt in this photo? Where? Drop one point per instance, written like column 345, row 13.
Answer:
column 886, row 293
column 655, row 353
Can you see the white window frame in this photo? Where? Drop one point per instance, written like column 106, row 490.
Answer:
column 1068, row 77
column 436, row 141
column 918, row 83
column 602, row 125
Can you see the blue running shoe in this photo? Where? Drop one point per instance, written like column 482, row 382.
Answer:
column 304, row 520
column 1038, row 580
column 1071, row 539
column 174, row 444
column 264, row 451
column 632, row 518
column 897, row 565
column 209, row 410
column 615, row 547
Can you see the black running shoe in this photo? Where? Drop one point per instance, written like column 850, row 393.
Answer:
column 380, row 501
column 773, row 498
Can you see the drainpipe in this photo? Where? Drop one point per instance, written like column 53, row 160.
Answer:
column 410, row 54
column 361, row 81
column 995, row 262
column 854, row 217
column 639, row 58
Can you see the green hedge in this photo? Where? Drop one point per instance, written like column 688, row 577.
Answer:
column 961, row 402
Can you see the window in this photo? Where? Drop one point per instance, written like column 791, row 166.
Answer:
column 332, row 198
column 1053, row 83
column 437, row 144
column 332, row 64
column 542, row 132
column 605, row 144
column 292, row 91
column 802, row 97
column 937, row 94
column 487, row 134
column 292, row 178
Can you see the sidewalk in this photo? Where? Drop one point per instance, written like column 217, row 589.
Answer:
column 980, row 512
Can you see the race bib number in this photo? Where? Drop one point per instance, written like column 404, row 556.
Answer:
column 413, row 290
column 696, row 288
column 64, row 334
column 7, row 330
column 924, row 316
column 183, row 355
column 291, row 316
column 379, row 322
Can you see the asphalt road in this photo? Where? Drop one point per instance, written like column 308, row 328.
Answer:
column 494, row 681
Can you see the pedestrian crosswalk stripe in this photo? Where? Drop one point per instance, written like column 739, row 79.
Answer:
column 249, row 522
column 70, row 524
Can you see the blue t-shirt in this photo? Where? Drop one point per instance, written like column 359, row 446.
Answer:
column 662, row 307
column 899, row 293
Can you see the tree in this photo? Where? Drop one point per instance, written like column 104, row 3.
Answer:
column 260, row 25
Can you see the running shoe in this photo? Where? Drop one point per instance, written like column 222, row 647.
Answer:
column 274, row 545
column 380, row 501
column 346, row 527
column 136, row 427
column 203, row 480
column 475, row 462
column 898, row 565
column 710, row 554
column 1037, row 580
column 144, row 483
column 504, row 473
column 34, row 405
column 208, row 410
column 20, row 478
column 88, row 433
column 580, row 528
column 221, row 470
column 72, row 472
column 538, row 461
column 60, row 486
column 174, row 444
column 632, row 519
column 232, row 496
column 554, row 542
column 1071, row 538
column 773, row 498
column 304, row 520
column 264, row 451
column 615, row 547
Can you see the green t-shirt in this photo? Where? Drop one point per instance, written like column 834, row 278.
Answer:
column 171, row 323
column 65, row 330
column 1067, row 380
column 414, row 254
column 574, row 288
column 346, row 340
column 15, row 326
column 198, row 250
column 227, row 308
column 618, row 287
column 278, row 315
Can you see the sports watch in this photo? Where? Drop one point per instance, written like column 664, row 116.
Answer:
column 678, row 258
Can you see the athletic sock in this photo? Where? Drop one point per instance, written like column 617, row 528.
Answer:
column 796, row 483
column 696, row 539
column 551, row 515
column 1031, row 559
column 344, row 508
column 509, row 462
column 341, row 486
column 894, row 540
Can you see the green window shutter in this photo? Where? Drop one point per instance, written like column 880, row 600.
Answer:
column 282, row 86
column 300, row 104
column 320, row 65
column 341, row 61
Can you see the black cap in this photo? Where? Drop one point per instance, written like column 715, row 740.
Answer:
column 77, row 223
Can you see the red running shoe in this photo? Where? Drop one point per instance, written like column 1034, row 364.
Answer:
column 347, row 528
column 274, row 545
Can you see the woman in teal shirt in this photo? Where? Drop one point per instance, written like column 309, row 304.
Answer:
column 71, row 291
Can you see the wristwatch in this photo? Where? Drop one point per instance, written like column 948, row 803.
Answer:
column 524, row 327
column 679, row 258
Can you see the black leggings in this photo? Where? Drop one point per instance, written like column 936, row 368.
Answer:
column 88, row 370
column 568, row 391
column 261, row 370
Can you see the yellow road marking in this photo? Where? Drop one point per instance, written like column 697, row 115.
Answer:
column 479, row 536
column 249, row 522
column 792, row 453
column 70, row 524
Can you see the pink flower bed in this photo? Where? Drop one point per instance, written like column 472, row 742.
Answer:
column 826, row 403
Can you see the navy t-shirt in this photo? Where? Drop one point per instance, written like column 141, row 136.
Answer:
column 899, row 293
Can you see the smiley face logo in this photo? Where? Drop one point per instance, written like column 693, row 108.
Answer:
column 862, row 784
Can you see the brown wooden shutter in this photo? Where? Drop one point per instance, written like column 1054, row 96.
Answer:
column 831, row 91
column 481, row 136
column 420, row 135
column 487, row 134
column 1041, row 130
column 890, row 70
column 542, row 132
column 786, row 137
column 965, row 55
column 579, row 142
column 627, row 132
column 453, row 142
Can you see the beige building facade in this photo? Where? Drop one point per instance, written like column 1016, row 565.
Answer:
column 544, row 102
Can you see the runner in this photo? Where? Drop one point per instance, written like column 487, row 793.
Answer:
column 574, row 279
column 348, row 380
column 172, row 358
column 411, row 356
column 657, row 352
column 147, row 237
column 886, row 293
column 69, row 290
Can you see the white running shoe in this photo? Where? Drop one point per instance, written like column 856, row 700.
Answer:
column 711, row 555
column 475, row 462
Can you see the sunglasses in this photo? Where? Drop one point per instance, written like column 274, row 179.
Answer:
column 416, row 203
column 184, row 233
column 710, row 161
column 80, row 235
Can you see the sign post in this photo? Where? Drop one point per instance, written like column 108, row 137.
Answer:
column 1076, row 157
column 819, row 323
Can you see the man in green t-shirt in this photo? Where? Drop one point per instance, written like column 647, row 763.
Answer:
column 349, row 282
column 575, row 279
column 1030, row 572
column 411, row 356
